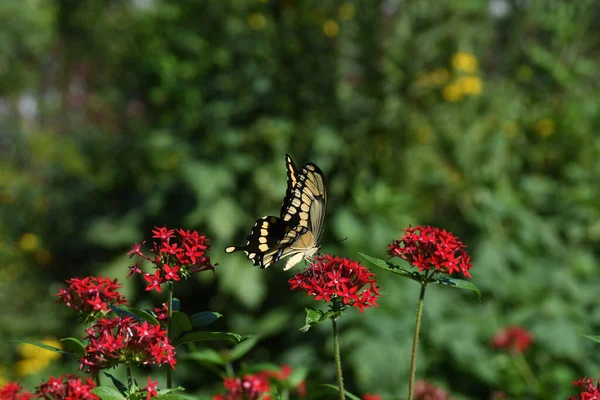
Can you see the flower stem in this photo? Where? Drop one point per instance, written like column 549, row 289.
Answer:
column 338, row 362
column 170, row 328
column 413, row 359
column 129, row 380
column 525, row 371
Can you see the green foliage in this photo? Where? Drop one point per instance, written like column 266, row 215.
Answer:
column 188, row 108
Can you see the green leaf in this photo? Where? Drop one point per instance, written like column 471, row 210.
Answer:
column 346, row 393
column 204, row 336
column 204, row 318
column 122, row 312
column 415, row 276
column 241, row 349
column 315, row 317
column 180, row 322
column 169, row 394
column 142, row 314
column 207, row 356
column 175, row 305
column 107, row 393
column 46, row 347
column 594, row 338
column 74, row 345
column 457, row 283
column 118, row 384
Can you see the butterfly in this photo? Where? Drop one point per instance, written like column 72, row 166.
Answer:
column 297, row 231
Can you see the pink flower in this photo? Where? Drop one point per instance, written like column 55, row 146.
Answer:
column 513, row 338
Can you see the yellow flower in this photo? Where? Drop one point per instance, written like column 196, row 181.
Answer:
column 439, row 76
column 331, row 28
column 257, row 21
column 510, row 128
column 452, row 92
column 29, row 242
column 470, row 85
column 545, row 127
column 27, row 350
column 347, row 11
column 465, row 62
column 30, row 366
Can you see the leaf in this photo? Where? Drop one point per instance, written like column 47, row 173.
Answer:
column 175, row 305
column 204, row 318
column 204, row 336
column 142, row 314
column 458, row 284
column 46, row 347
column 180, row 323
column 207, row 356
column 74, row 345
column 594, row 338
column 107, row 393
column 346, row 393
column 393, row 268
column 118, row 384
column 316, row 317
column 122, row 312
column 168, row 394
column 241, row 349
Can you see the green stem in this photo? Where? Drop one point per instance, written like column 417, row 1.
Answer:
column 129, row 379
column 525, row 371
column 338, row 362
column 97, row 378
column 413, row 359
column 170, row 328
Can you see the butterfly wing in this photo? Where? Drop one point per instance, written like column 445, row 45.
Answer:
column 266, row 233
column 299, row 229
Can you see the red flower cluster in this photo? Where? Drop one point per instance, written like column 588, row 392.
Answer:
column 174, row 259
column 427, row 391
column 368, row 396
column 67, row 387
column 334, row 277
column 10, row 391
column 513, row 338
column 588, row 391
column 151, row 389
column 429, row 248
column 118, row 340
column 251, row 387
column 91, row 296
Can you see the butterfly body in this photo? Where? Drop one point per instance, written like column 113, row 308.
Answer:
column 296, row 233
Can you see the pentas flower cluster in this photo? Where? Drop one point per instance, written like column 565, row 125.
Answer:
column 250, row 387
column 90, row 296
column 429, row 248
column 332, row 277
column 12, row 391
column 428, row 391
column 588, row 390
column 513, row 338
column 67, row 387
column 118, row 340
column 177, row 254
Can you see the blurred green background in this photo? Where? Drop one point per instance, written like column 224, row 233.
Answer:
column 480, row 117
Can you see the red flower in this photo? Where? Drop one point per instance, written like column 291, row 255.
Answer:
column 251, row 387
column 118, row 340
column 67, row 387
column 427, row 391
column 151, row 388
column 588, row 391
column 91, row 296
column 513, row 338
column 368, row 396
column 10, row 391
column 429, row 248
column 330, row 277
column 162, row 313
column 177, row 254
column 136, row 249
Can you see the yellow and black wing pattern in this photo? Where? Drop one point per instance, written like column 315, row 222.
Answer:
column 297, row 232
